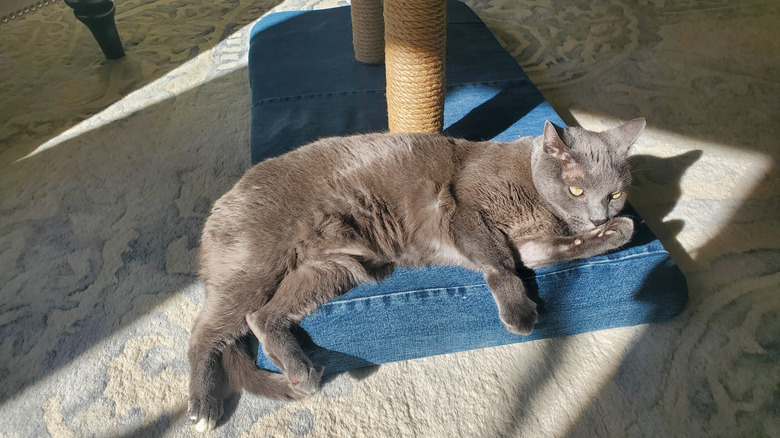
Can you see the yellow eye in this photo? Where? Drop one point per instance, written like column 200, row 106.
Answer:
column 616, row 195
column 575, row 191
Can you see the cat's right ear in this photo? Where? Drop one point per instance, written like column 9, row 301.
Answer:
column 554, row 146
column 626, row 134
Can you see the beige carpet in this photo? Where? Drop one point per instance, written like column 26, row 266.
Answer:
column 108, row 168
column 11, row 10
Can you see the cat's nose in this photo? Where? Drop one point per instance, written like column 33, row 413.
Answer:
column 598, row 222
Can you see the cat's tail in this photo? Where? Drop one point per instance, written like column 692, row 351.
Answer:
column 238, row 363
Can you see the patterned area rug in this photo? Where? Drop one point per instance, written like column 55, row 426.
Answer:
column 108, row 169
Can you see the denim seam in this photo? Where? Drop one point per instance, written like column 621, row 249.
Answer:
column 482, row 285
column 601, row 262
column 402, row 293
column 346, row 93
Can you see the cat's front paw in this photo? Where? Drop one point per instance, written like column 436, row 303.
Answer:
column 618, row 231
column 204, row 412
column 613, row 234
column 520, row 318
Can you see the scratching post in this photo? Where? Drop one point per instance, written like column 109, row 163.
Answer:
column 368, row 31
column 415, row 33
column 411, row 41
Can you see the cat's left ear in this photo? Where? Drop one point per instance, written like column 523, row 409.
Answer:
column 626, row 134
column 554, row 146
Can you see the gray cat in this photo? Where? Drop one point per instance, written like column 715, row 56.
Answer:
column 301, row 229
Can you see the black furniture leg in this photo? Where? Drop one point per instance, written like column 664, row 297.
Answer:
column 98, row 15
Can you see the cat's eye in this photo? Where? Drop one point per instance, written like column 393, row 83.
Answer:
column 616, row 195
column 575, row 191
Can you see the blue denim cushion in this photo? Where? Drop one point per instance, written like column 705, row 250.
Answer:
column 307, row 85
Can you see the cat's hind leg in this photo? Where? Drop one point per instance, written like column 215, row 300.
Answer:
column 300, row 293
column 218, row 364
column 210, row 334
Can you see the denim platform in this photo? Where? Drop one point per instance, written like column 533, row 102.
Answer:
column 307, row 85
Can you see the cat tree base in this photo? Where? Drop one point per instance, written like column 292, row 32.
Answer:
column 437, row 310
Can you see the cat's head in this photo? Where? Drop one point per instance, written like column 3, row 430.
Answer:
column 584, row 175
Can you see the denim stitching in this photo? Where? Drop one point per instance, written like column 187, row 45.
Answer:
column 601, row 262
column 483, row 285
column 402, row 293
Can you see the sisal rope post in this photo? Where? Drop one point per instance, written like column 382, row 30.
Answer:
column 415, row 33
column 368, row 31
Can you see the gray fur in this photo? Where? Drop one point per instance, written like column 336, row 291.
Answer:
column 299, row 230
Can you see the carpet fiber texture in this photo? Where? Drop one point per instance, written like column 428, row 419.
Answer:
column 108, row 170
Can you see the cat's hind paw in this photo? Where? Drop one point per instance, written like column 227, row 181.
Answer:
column 305, row 385
column 204, row 412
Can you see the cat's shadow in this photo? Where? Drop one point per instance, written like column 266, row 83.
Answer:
column 655, row 192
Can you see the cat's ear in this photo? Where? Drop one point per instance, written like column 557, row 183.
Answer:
column 626, row 134
column 554, row 146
